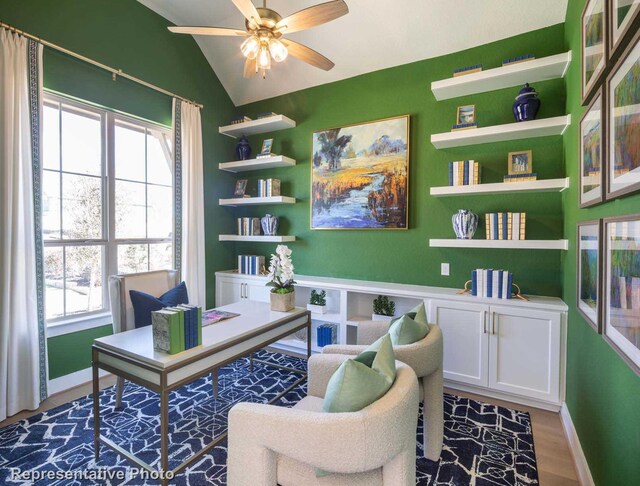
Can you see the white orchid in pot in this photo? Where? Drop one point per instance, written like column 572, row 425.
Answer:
column 281, row 279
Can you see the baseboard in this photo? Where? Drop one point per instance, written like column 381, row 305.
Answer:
column 582, row 467
column 66, row 382
column 507, row 397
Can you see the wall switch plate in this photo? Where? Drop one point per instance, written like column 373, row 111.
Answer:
column 444, row 269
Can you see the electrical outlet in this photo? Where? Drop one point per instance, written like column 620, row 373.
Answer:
column 444, row 269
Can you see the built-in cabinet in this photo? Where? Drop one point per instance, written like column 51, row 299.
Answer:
column 511, row 349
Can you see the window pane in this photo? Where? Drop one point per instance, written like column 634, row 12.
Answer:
column 83, row 282
column 50, row 138
column 133, row 258
column 81, row 143
column 160, row 256
column 129, row 153
column 160, row 220
column 50, row 205
column 54, row 282
column 81, row 206
column 130, row 210
column 158, row 160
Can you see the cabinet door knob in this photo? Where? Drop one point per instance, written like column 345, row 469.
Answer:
column 493, row 323
column 484, row 322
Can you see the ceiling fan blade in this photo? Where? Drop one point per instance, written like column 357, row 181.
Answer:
column 312, row 16
column 308, row 55
column 248, row 9
column 207, row 31
column 250, row 68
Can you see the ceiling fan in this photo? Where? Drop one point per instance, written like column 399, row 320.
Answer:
column 264, row 34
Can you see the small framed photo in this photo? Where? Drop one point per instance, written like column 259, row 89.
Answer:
column 241, row 187
column 466, row 114
column 520, row 162
column 589, row 265
column 621, row 317
column 593, row 153
column 266, row 146
column 593, row 47
column 624, row 17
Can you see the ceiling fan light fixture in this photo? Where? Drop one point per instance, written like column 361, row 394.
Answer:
column 264, row 57
column 250, row 47
column 278, row 50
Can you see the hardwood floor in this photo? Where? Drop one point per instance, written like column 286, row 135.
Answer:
column 555, row 463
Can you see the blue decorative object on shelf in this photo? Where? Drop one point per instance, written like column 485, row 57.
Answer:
column 270, row 224
column 465, row 223
column 243, row 149
column 527, row 104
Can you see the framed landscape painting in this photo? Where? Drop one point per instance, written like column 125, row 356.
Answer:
column 588, row 264
column 360, row 176
column 623, row 125
column 594, row 47
column 623, row 18
column 622, row 288
column 592, row 152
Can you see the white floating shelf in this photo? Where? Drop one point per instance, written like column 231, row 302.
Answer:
column 507, row 244
column 261, row 125
column 544, row 69
column 547, row 185
column 254, row 201
column 261, row 238
column 499, row 133
column 257, row 164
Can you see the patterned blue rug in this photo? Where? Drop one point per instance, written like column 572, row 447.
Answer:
column 484, row 445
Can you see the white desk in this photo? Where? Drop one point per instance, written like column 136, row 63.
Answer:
column 131, row 355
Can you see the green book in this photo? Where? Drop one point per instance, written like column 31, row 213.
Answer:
column 180, row 313
column 166, row 331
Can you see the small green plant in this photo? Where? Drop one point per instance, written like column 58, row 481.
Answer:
column 383, row 306
column 318, row 298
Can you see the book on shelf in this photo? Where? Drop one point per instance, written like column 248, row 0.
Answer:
column 250, row 264
column 265, row 114
column 268, row 187
column 467, row 70
column 166, row 331
column 520, row 177
column 266, row 155
column 518, row 59
column 490, row 283
column 463, row 126
column 505, row 226
column 240, row 119
column 464, row 173
column 248, row 226
column 326, row 334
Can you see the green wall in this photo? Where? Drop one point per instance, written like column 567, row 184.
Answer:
column 404, row 256
column 603, row 393
column 129, row 36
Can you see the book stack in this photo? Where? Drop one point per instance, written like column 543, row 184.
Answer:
column 520, row 177
column 248, row 226
column 240, row 119
column 464, row 173
column 327, row 334
column 176, row 329
column 515, row 60
column 495, row 284
column 268, row 187
column 463, row 126
column 266, row 155
column 250, row 264
column 505, row 226
column 266, row 114
column 467, row 70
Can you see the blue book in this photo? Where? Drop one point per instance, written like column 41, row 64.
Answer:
column 510, row 285
column 495, row 225
column 490, row 283
column 465, row 178
column 505, row 226
column 474, row 283
column 451, row 173
column 500, row 274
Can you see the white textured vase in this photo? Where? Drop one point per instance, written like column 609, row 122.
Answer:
column 465, row 223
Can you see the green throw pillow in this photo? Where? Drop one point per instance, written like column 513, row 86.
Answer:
column 360, row 381
column 406, row 330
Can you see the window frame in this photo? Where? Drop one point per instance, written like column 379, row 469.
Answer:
column 108, row 118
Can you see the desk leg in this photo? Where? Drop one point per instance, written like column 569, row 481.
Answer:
column 96, row 406
column 164, row 431
column 214, row 382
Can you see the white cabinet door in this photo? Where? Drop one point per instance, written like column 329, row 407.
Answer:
column 257, row 291
column 524, row 352
column 229, row 291
column 465, row 336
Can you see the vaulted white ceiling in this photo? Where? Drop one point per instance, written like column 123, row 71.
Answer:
column 375, row 34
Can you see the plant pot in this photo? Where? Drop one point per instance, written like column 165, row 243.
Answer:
column 282, row 302
column 317, row 309
column 379, row 317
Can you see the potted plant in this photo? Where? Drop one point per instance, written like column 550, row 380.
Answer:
column 383, row 308
column 317, row 302
column 281, row 279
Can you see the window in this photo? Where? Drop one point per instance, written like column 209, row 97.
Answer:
column 107, row 199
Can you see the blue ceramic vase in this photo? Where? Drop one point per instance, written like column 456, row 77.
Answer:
column 243, row 149
column 269, row 224
column 465, row 223
column 527, row 104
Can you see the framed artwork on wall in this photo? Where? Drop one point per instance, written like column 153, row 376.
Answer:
column 623, row 122
column 520, row 162
column 592, row 153
column 589, row 261
column 360, row 176
column 624, row 16
column 593, row 47
column 621, row 319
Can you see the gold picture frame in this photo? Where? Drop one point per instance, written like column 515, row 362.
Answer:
column 517, row 164
column 465, row 114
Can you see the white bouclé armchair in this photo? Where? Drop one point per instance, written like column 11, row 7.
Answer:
column 270, row 445
column 425, row 357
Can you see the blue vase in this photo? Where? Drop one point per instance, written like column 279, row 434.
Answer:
column 527, row 104
column 243, row 149
column 465, row 223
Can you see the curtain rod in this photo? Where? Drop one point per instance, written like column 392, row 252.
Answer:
column 113, row 71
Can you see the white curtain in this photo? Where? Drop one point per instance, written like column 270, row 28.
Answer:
column 190, row 259
column 23, row 376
